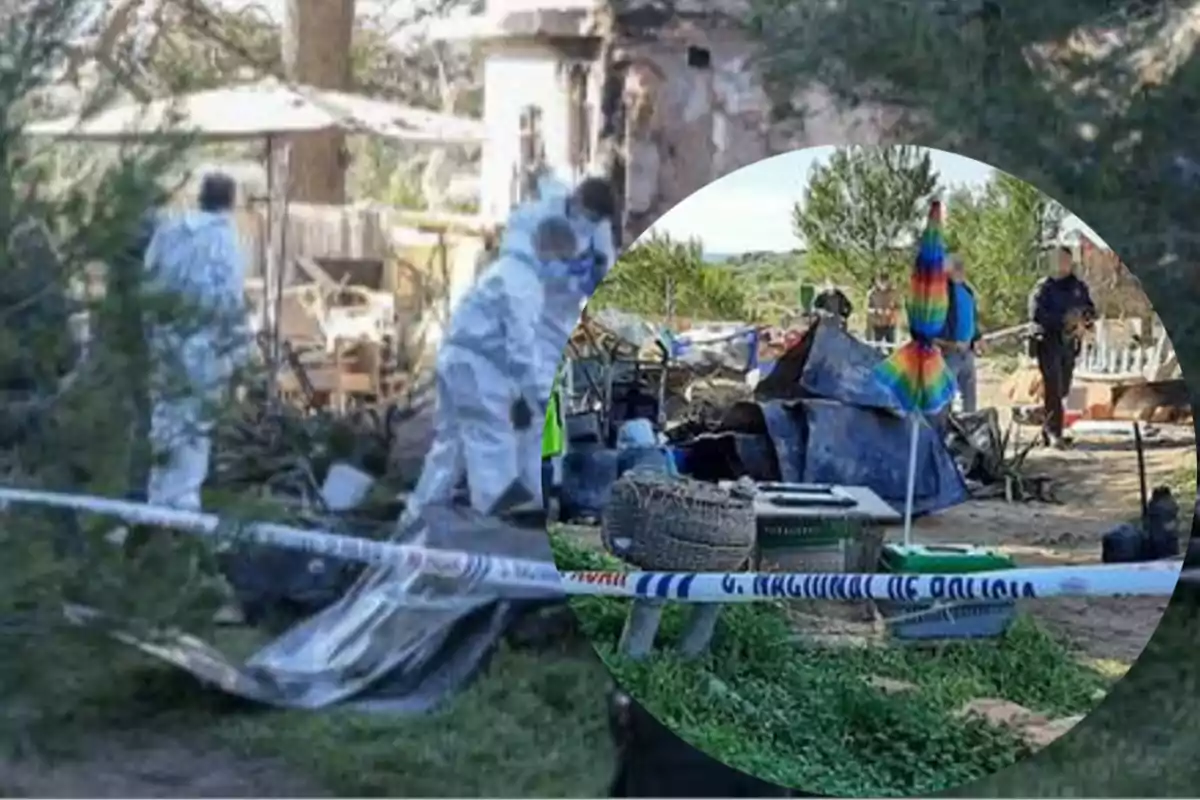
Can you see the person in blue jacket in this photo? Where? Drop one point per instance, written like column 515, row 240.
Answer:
column 960, row 338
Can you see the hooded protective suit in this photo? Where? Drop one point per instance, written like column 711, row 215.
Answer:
column 197, row 339
column 568, row 286
column 486, row 363
column 565, row 301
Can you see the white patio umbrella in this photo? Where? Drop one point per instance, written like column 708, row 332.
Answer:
column 265, row 109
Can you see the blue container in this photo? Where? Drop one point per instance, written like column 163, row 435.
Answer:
column 588, row 474
column 645, row 459
column 976, row 620
column 679, row 459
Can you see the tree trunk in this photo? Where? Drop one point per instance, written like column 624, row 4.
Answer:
column 316, row 51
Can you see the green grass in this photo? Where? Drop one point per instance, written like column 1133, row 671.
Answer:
column 1143, row 738
column 534, row 727
column 534, row 723
column 807, row 717
column 1183, row 484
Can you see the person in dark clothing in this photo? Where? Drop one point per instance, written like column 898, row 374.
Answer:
column 1060, row 309
column 653, row 762
column 834, row 302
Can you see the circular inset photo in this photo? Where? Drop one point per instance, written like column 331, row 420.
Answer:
column 878, row 468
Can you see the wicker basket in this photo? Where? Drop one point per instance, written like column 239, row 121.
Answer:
column 675, row 524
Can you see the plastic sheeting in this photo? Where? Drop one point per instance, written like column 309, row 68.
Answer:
column 844, row 427
column 390, row 643
column 630, row 328
column 859, row 447
column 704, row 350
column 397, row 639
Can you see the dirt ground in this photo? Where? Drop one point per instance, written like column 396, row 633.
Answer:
column 1097, row 484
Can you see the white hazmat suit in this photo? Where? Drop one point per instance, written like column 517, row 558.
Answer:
column 196, row 260
column 486, row 363
column 567, row 287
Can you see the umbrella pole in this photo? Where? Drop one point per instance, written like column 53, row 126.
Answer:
column 910, row 492
column 268, row 327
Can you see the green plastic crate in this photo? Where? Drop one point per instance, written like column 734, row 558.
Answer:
column 983, row 619
column 925, row 559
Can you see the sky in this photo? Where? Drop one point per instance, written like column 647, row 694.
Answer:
column 751, row 209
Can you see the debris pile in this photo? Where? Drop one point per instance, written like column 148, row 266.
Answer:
column 993, row 464
column 283, row 451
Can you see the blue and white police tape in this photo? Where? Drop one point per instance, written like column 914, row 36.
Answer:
column 538, row 577
column 1155, row 579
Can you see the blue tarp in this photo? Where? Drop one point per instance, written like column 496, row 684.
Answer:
column 840, row 367
column 845, row 428
column 862, row 447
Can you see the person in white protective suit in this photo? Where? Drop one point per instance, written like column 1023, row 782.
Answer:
column 194, row 261
column 488, row 381
column 589, row 209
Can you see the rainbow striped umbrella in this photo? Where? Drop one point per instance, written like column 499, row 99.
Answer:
column 916, row 373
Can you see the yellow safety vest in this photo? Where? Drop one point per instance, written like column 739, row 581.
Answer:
column 552, row 434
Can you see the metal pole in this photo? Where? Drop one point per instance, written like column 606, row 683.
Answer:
column 278, row 155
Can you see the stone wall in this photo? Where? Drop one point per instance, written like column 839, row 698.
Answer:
column 695, row 110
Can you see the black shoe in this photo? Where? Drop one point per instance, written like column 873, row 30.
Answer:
column 526, row 515
column 515, row 495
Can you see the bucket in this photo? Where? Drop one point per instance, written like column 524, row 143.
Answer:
column 588, row 474
column 345, row 487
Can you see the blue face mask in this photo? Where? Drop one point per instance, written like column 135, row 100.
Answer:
column 585, row 270
column 557, row 275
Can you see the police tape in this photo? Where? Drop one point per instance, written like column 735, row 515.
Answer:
column 1154, row 579
column 538, row 577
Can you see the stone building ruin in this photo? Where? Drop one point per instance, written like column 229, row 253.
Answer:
column 660, row 96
